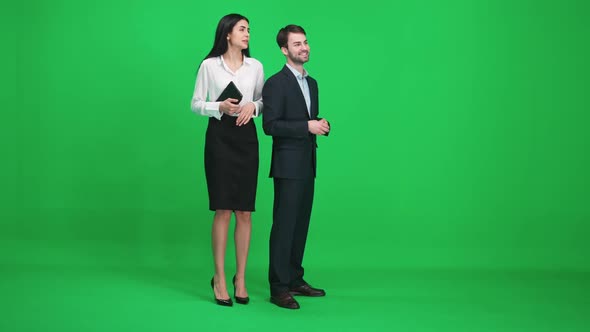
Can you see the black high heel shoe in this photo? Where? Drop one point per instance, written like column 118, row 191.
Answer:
column 223, row 302
column 240, row 300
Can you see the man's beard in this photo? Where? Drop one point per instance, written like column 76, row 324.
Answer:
column 298, row 60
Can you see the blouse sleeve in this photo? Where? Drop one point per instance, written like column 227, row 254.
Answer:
column 257, row 97
column 199, row 103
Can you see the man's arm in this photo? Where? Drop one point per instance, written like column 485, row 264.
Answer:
column 273, row 123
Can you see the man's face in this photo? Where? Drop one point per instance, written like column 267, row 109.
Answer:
column 297, row 49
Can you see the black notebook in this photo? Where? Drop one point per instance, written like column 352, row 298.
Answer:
column 230, row 91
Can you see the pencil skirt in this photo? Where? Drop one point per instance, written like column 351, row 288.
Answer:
column 231, row 164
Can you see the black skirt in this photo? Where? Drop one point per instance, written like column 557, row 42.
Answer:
column 231, row 164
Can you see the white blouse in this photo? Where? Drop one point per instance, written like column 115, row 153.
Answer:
column 213, row 77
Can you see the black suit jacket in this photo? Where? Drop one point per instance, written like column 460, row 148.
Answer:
column 285, row 119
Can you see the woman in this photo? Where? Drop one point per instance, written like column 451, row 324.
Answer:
column 231, row 145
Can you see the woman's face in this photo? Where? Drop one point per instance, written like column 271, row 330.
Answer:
column 240, row 35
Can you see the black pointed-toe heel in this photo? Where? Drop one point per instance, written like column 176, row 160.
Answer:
column 222, row 302
column 240, row 300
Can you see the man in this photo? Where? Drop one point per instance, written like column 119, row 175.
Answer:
column 291, row 117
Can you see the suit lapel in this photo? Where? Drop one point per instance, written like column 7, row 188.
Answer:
column 313, row 95
column 295, row 86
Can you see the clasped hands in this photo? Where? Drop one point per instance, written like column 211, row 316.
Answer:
column 318, row 127
column 230, row 106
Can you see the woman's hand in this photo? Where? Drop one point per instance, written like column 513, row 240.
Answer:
column 229, row 106
column 246, row 113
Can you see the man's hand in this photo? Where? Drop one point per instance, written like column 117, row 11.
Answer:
column 316, row 127
column 229, row 106
column 246, row 113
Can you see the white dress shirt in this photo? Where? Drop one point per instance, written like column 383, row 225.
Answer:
column 213, row 77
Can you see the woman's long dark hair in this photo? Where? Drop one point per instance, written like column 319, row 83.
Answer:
column 224, row 27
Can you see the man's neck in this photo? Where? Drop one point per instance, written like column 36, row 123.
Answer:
column 297, row 66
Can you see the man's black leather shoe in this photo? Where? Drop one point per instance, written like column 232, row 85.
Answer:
column 307, row 290
column 285, row 300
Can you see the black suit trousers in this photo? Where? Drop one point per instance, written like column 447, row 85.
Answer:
column 293, row 200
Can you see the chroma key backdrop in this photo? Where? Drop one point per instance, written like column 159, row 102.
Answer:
column 453, row 193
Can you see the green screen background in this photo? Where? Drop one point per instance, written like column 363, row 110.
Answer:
column 459, row 134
